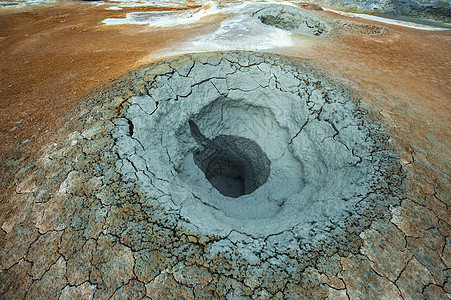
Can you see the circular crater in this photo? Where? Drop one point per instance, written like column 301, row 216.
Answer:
column 234, row 165
column 309, row 22
column 295, row 19
column 252, row 143
column 241, row 150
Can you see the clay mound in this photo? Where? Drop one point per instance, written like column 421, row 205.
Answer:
column 296, row 20
column 210, row 112
column 212, row 175
column 305, row 22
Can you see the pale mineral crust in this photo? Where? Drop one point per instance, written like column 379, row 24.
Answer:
column 99, row 231
column 74, row 227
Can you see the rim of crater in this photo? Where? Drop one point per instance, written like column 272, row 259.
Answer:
column 371, row 119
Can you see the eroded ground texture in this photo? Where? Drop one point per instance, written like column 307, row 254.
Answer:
column 142, row 218
column 230, row 175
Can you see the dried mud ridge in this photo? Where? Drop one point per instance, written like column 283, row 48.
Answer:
column 308, row 22
column 110, row 211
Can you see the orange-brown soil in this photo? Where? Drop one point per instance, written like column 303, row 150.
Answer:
column 52, row 58
column 404, row 76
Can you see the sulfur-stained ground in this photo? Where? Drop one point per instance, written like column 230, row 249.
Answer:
column 73, row 227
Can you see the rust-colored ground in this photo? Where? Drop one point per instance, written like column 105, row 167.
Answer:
column 52, row 58
column 405, row 76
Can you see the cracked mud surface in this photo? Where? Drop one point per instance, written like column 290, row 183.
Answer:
column 72, row 240
column 306, row 22
column 295, row 20
column 122, row 234
column 329, row 159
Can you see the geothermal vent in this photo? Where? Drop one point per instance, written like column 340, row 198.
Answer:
column 253, row 143
column 221, row 175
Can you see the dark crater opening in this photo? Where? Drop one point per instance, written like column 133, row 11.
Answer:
column 235, row 166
